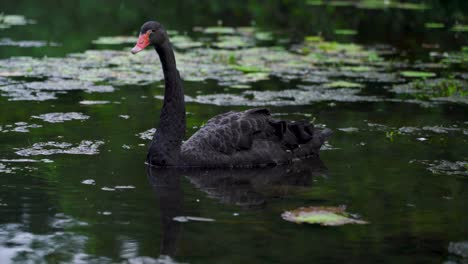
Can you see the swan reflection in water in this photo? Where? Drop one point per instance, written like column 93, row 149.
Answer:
column 248, row 188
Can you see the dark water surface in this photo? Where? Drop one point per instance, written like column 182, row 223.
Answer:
column 74, row 187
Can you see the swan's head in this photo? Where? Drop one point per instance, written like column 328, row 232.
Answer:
column 151, row 33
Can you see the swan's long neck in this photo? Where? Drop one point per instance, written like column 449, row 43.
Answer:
column 165, row 148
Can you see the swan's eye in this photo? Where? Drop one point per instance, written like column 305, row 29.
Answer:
column 153, row 30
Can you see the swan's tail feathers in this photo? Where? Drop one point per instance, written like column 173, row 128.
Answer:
column 325, row 134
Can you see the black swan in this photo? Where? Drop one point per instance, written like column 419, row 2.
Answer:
column 249, row 138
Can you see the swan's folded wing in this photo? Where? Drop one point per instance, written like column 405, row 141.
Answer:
column 233, row 131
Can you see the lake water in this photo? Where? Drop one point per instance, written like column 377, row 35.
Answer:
column 77, row 111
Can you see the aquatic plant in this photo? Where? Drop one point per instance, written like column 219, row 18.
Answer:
column 325, row 216
column 417, row 74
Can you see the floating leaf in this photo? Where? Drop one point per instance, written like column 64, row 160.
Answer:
column 345, row 32
column 434, row 25
column 356, row 68
column 7, row 21
column 247, row 69
column 115, row 40
column 232, row 42
column 460, row 28
column 343, row 84
column 263, row 36
column 417, row 74
column 61, row 117
column 340, row 3
column 185, row 42
column 325, row 216
column 184, row 219
column 459, row 249
column 379, row 4
column 219, row 30
column 445, row 167
column 86, row 147
column 27, row 43
column 315, row 2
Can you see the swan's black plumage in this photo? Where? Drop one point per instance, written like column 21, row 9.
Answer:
column 235, row 139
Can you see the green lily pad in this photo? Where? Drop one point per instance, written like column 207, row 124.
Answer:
column 313, row 39
column 460, row 28
column 434, row 25
column 343, row 84
column 219, row 30
column 345, row 32
column 185, row 42
column 340, row 3
column 263, row 36
column 247, row 69
column 315, row 2
column 232, row 42
column 412, row 6
column 359, row 68
column 7, row 21
column 115, row 40
column 325, row 216
column 379, row 4
column 417, row 74
column 435, row 88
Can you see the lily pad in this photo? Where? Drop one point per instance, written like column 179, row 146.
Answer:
column 232, row 42
column 417, row 74
column 263, row 36
column 315, row 2
column 445, row 167
column 7, row 21
column 343, row 84
column 325, row 216
column 345, row 32
column 61, row 117
column 185, row 42
column 184, row 219
column 115, row 40
column 86, row 147
column 247, row 69
column 339, row 3
column 459, row 249
column 434, row 25
column 147, row 135
column 460, row 28
column 380, row 4
column 219, row 30
column 27, row 43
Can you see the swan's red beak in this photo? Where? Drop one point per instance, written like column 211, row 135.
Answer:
column 143, row 42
